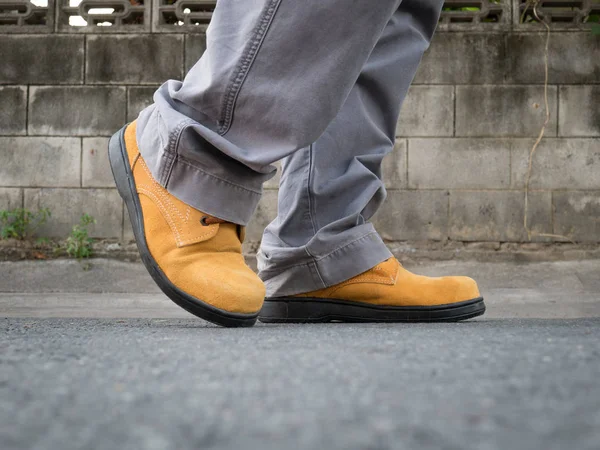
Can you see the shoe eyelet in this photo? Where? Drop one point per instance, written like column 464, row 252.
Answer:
column 203, row 221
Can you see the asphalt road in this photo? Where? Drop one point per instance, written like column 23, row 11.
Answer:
column 180, row 383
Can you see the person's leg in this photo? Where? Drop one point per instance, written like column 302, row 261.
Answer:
column 330, row 189
column 320, row 259
column 274, row 75
column 191, row 168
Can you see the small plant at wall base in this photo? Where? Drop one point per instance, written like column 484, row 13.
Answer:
column 19, row 223
column 79, row 244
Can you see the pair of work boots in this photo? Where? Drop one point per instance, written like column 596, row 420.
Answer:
column 197, row 261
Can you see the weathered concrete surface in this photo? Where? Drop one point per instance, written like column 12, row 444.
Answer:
column 394, row 166
column 76, row 110
column 526, row 58
column 172, row 384
column 43, row 59
column 578, row 214
column 557, row 164
column 95, row 168
column 40, row 161
column 427, row 111
column 580, row 115
column 458, row 163
column 464, row 58
column 67, row 206
column 504, row 111
column 13, row 110
column 106, row 288
column 466, row 128
column 141, row 59
column 137, row 99
column 498, row 215
column 10, row 198
column 414, row 215
column 195, row 44
column 501, row 304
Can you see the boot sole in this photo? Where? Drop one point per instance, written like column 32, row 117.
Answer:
column 119, row 163
column 320, row 310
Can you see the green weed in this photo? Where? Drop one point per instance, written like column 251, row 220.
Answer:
column 79, row 244
column 20, row 223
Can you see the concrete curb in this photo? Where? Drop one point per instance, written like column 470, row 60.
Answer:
column 115, row 289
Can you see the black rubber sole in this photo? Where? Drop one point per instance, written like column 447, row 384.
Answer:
column 319, row 310
column 119, row 163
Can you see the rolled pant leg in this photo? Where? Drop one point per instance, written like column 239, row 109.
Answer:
column 274, row 75
column 330, row 189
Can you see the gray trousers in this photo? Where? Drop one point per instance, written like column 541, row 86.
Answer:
column 317, row 84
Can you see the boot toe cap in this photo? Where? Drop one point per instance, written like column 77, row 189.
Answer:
column 466, row 289
column 235, row 289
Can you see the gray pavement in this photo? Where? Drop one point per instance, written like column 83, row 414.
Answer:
column 99, row 359
column 180, row 383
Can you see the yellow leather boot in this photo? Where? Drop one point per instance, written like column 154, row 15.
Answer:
column 386, row 293
column 196, row 259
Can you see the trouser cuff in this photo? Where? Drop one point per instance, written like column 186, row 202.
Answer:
column 210, row 194
column 340, row 265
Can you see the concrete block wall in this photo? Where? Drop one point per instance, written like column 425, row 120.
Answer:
column 459, row 166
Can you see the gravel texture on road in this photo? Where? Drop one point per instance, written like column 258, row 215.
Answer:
column 182, row 383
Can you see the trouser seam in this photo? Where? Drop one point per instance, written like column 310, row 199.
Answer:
column 170, row 153
column 244, row 65
column 310, row 211
column 309, row 197
column 315, row 265
column 167, row 167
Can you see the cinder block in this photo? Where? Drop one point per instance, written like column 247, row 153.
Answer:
column 264, row 214
column 557, row 164
column 464, row 58
column 570, row 58
column 138, row 98
column 139, row 59
column 455, row 163
column 503, row 111
column 95, row 168
column 47, row 59
column 195, row 45
column 427, row 111
column 13, row 110
column 579, row 111
column 40, row 162
column 67, row 206
column 76, row 110
column 11, row 198
column 498, row 215
column 577, row 215
column 413, row 215
column 394, row 167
